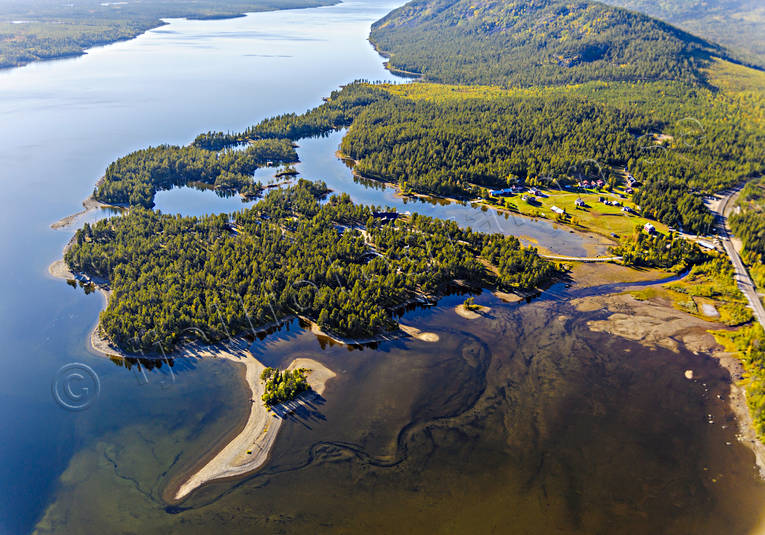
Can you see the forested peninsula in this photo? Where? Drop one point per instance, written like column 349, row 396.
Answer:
column 337, row 264
column 584, row 103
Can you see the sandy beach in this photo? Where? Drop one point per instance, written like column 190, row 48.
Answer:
column 250, row 449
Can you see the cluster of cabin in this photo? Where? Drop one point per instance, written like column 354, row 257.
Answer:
column 513, row 190
column 594, row 184
column 529, row 195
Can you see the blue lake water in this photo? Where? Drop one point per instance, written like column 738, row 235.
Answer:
column 319, row 162
column 494, row 426
column 62, row 123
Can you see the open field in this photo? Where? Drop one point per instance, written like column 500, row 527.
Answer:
column 594, row 216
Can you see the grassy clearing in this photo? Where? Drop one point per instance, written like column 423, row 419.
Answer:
column 734, row 78
column 710, row 283
column 595, row 216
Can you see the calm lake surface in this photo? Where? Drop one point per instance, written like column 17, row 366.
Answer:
column 520, row 422
column 318, row 162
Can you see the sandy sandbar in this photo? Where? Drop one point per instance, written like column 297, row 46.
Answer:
column 471, row 314
column 414, row 332
column 250, row 449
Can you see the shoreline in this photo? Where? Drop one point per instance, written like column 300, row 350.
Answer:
column 90, row 204
column 251, row 447
column 145, row 28
column 257, row 435
column 234, row 456
column 435, row 199
column 655, row 323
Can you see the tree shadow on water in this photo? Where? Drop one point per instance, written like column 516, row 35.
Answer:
column 303, row 410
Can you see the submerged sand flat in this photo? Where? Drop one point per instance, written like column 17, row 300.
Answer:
column 655, row 324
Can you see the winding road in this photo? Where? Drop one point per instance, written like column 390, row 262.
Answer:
column 741, row 275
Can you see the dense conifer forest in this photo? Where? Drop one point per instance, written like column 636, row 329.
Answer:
column 748, row 220
column 334, row 263
column 134, row 179
column 536, row 42
column 281, row 386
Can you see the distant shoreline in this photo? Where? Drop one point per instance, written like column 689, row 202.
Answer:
column 141, row 30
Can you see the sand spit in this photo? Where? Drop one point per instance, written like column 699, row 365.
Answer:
column 471, row 314
column 508, row 297
column 414, row 332
column 250, row 449
column 88, row 205
column 60, row 270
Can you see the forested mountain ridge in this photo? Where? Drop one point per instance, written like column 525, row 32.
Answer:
column 520, row 42
column 737, row 24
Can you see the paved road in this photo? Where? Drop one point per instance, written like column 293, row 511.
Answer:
column 741, row 275
column 582, row 258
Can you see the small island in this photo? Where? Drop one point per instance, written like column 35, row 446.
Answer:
column 250, row 448
column 283, row 386
column 470, row 310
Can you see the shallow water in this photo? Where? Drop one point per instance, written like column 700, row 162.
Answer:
column 524, row 423
column 62, row 123
column 519, row 422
